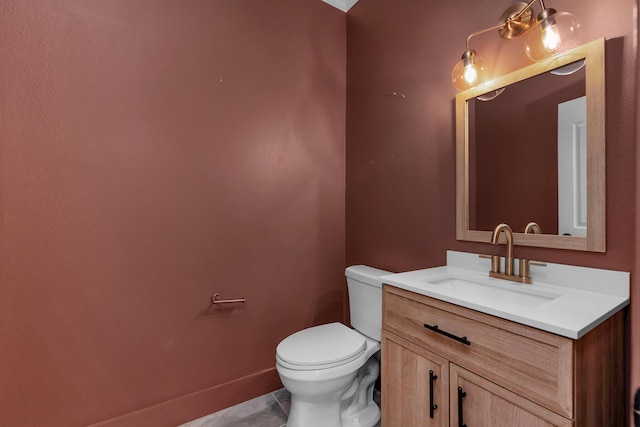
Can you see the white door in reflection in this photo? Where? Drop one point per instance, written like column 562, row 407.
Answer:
column 572, row 167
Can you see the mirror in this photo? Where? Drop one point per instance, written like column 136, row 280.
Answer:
column 500, row 165
column 530, row 146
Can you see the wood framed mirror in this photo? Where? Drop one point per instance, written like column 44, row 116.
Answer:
column 531, row 161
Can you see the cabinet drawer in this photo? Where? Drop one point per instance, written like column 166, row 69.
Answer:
column 525, row 360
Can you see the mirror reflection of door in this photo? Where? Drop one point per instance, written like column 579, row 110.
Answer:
column 572, row 167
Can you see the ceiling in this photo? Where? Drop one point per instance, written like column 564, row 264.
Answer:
column 343, row 5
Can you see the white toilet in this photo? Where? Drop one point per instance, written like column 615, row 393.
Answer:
column 330, row 370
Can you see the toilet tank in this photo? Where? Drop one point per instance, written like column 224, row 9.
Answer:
column 365, row 299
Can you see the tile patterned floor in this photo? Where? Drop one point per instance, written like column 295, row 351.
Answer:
column 269, row 410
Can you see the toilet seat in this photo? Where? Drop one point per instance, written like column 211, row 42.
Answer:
column 321, row 347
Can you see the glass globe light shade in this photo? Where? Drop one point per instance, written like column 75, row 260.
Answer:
column 554, row 33
column 470, row 71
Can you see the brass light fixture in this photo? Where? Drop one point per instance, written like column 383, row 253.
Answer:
column 549, row 34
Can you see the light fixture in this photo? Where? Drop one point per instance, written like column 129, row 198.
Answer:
column 470, row 71
column 551, row 33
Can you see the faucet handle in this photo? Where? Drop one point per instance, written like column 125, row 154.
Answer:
column 538, row 263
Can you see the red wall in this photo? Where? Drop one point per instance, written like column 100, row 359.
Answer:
column 153, row 152
column 400, row 151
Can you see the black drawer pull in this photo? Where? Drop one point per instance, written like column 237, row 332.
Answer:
column 435, row 328
column 432, row 407
column 461, row 394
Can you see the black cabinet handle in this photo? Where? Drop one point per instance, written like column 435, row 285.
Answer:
column 461, row 394
column 432, row 407
column 435, row 328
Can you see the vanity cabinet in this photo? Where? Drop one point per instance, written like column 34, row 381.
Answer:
column 492, row 372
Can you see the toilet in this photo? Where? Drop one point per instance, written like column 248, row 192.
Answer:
column 330, row 370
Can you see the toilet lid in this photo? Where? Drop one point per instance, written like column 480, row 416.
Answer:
column 321, row 345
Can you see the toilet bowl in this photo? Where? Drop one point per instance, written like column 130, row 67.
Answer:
column 330, row 370
column 326, row 379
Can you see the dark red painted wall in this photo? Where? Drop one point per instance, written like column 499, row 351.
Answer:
column 153, row 153
column 400, row 151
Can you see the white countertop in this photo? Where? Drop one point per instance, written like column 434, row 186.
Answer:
column 564, row 300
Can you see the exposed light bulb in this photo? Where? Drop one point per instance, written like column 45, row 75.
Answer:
column 470, row 71
column 553, row 33
column 470, row 74
column 551, row 38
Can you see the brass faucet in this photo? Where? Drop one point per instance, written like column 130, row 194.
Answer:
column 524, row 270
column 508, row 263
column 508, row 274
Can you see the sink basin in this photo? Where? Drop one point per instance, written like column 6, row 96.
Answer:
column 492, row 294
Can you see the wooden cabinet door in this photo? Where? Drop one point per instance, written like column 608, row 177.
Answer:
column 477, row 402
column 415, row 385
